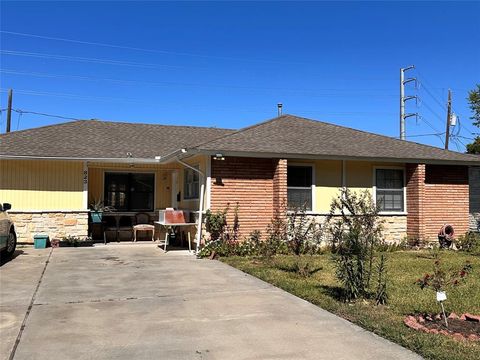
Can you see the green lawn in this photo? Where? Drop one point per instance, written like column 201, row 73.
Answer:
column 404, row 296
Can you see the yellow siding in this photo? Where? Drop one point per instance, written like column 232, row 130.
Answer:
column 201, row 161
column 41, row 184
column 328, row 179
column 163, row 180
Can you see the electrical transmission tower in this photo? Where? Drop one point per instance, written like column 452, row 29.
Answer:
column 404, row 99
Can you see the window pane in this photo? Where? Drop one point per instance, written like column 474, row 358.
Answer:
column 390, row 200
column 130, row 191
column 299, row 176
column 299, row 198
column 141, row 191
column 389, row 178
column 191, row 184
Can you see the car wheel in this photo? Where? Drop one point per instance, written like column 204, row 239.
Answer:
column 11, row 244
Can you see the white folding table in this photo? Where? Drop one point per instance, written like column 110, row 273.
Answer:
column 173, row 226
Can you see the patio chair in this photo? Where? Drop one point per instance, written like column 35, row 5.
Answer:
column 109, row 226
column 142, row 223
column 125, row 226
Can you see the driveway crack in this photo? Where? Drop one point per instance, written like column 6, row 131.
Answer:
column 29, row 309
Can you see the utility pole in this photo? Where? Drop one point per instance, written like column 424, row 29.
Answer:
column 404, row 99
column 9, row 110
column 449, row 115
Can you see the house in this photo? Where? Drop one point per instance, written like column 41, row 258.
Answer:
column 51, row 174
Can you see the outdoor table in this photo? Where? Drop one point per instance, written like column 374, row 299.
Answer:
column 173, row 226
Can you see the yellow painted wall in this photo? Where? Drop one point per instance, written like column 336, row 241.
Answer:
column 162, row 173
column 163, row 180
column 41, row 184
column 201, row 161
column 328, row 178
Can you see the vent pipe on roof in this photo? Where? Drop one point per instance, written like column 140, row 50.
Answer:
column 279, row 109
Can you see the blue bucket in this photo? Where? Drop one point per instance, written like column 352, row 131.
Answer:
column 40, row 241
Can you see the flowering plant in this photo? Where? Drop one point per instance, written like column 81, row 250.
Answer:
column 441, row 279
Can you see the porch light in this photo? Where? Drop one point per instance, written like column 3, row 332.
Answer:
column 218, row 156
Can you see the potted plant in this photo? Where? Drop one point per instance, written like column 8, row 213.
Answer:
column 97, row 208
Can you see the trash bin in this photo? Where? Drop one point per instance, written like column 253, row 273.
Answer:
column 40, row 241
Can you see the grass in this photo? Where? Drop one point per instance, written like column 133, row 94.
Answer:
column 322, row 289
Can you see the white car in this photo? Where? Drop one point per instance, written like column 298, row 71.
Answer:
column 8, row 237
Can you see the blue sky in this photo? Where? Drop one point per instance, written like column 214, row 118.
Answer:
column 229, row 64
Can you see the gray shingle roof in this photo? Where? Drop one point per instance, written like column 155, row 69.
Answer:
column 285, row 136
column 295, row 136
column 103, row 139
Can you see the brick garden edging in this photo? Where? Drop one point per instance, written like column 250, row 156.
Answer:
column 416, row 323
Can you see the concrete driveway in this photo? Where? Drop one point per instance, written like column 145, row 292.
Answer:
column 134, row 302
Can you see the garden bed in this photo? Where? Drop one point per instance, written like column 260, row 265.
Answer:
column 464, row 327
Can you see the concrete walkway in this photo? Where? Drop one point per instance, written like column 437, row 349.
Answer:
column 134, row 302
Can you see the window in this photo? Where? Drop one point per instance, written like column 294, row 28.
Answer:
column 299, row 187
column 389, row 190
column 191, row 184
column 129, row 191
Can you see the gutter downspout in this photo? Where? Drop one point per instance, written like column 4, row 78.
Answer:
column 200, row 205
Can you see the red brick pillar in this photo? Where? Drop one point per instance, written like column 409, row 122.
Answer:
column 415, row 201
column 280, row 187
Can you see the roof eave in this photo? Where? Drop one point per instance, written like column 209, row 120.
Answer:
column 338, row 157
column 91, row 159
column 176, row 155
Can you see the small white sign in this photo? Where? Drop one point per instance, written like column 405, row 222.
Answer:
column 441, row 296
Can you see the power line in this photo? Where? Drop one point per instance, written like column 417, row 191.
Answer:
column 141, row 49
column 423, row 80
column 72, row 96
column 21, row 112
column 422, row 135
column 88, row 60
column 172, row 83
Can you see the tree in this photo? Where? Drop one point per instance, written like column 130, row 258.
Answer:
column 474, row 148
column 474, row 101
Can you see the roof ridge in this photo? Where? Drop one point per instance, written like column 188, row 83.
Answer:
column 240, row 130
column 114, row 122
column 164, row 125
column 45, row 126
column 375, row 134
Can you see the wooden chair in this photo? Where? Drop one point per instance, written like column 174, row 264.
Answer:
column 142, row 223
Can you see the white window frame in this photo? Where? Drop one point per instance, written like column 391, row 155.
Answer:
column 311, row 165
column 197, row 166
column 375, row 168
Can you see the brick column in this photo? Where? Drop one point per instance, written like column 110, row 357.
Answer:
column 415, row 201
column 280, row 187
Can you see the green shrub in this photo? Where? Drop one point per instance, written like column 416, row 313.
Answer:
column 470, row 242
column 215, row 223
column 356, row 232
column 76, row 241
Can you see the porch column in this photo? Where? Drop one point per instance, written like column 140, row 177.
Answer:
column 85, row 186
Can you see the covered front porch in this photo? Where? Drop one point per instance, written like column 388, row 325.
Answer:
column 132, row 194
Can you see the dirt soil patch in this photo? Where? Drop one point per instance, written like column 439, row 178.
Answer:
column 466, row 326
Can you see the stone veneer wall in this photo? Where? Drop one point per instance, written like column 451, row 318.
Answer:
column 52, row 223
column 394, row 226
